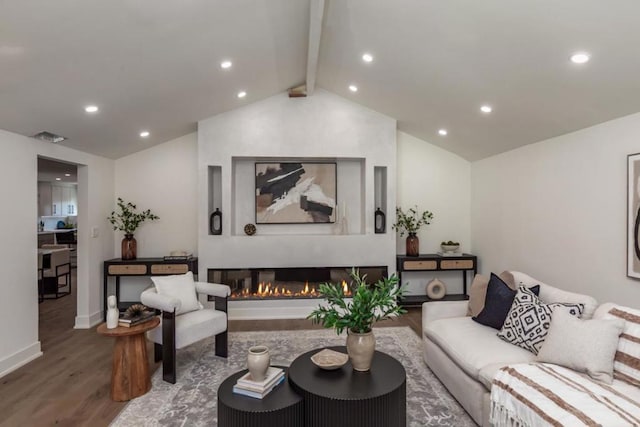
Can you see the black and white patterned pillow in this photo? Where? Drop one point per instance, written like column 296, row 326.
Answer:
column 528, row 320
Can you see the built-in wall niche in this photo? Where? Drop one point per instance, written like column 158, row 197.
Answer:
column 381, row 216
column 351, row 197
column 215, row 212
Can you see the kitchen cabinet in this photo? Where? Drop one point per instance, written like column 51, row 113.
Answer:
column 64, row 200
column 44, row 198
column 56, row 200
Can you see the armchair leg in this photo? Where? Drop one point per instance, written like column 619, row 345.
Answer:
column 221, row 344
column 169, row 347
column 157, row 352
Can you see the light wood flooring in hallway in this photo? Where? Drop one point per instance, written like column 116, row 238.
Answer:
column 69, row 385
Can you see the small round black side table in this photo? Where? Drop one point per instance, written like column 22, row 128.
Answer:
column 281, row 408
column 349, row 398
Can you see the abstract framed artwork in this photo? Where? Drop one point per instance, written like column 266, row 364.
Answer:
column 633, row 215
column 295, row 192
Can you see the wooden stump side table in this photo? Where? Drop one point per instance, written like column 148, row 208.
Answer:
column 130, row 372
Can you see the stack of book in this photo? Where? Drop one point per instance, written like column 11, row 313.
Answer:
column 178, row 256
column 246, row 386
column 128, row 321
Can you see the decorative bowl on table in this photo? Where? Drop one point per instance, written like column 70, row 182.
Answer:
column 450, row 246
column 329, row 359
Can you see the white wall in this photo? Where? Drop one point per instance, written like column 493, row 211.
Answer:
column 18, row 260
column 163, row 178
column 323, row 126
column 437, row 180
column 557, row 210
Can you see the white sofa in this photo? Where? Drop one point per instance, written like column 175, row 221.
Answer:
column 466, row 355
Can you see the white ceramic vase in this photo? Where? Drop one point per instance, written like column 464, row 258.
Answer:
column 258, row 361
column 112, row 312
column 361, row 348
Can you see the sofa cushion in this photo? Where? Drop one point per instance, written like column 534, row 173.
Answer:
column 582, row 345
column 550, row 294
column 478, row 291
column 497, row 303
column 626, row 366
column 528, row 320
column 473, row 346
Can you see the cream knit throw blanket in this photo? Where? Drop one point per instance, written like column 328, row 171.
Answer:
column 541, row 394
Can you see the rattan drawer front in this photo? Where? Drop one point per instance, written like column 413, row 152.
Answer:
column 122, row 270
column 456, row 264
column 169, row 268
column 420, row 265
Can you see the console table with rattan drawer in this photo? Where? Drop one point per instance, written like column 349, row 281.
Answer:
column 118, row 268
column 435, row 262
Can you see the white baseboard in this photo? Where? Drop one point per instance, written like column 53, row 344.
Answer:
column 88, row 322
column 20, row 358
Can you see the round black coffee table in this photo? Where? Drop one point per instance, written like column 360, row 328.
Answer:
column 349, row 398
column 281, row 408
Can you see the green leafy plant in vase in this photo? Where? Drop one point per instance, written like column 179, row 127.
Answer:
column 127, row 219
column 410, row 222
column 356, row 310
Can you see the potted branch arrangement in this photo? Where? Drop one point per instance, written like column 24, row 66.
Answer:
column 410, row 222
column 357, row 313
column 128, row 220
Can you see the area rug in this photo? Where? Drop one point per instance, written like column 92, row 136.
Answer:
column 192, row 400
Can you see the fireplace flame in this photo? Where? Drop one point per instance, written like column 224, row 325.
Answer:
column 345, row 288
column 268, row 290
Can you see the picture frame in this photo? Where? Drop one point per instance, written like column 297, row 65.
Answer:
column 295, row 192
column 633, row 215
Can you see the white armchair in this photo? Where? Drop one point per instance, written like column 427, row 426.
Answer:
column 178, row 329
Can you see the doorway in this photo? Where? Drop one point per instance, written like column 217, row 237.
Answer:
column 57, row 248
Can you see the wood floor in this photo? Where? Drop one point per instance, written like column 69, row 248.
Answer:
column 69, row 385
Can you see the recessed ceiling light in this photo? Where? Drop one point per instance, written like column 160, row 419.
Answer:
column 580, row 58
column 225, row 64
column 353, row 88
column 58, row 179
column 91, row 108
column 67, row 174
column 144, row 134
column 242, row 94
column 367, row 57
column 443, row 132
column 486, row 109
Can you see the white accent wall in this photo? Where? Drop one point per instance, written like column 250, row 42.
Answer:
column 557, row 210
column 18, row 257
column 437, row 180
column 320, row 127
column 163, row 178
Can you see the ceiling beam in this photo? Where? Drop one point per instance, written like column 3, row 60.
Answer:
column 315, row 34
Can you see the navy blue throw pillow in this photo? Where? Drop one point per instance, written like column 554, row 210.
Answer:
column 498, row 302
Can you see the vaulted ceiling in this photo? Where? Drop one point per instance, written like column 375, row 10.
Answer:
column 155, row 65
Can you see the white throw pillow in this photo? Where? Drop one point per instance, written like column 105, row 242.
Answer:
column 180, row 286
column 582, row 345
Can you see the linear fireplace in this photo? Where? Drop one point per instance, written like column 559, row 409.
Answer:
column 287, row 283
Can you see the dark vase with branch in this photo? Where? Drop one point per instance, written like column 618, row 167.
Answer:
column 126, row 219
column 410, row 222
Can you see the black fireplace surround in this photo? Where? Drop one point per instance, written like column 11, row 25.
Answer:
column 287, row 283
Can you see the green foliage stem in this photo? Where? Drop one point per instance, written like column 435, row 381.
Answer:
column 127, row 219
column 411, row 221
column 367, row 305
